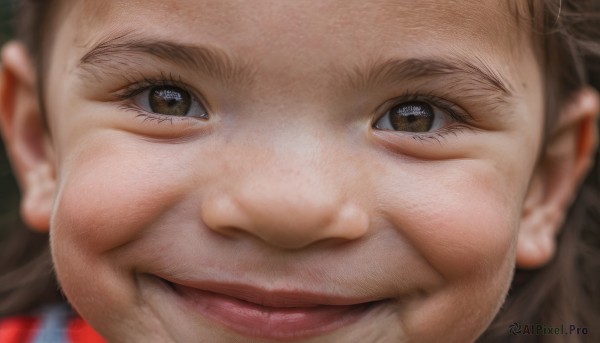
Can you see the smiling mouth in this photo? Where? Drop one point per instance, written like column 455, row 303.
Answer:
column 279, row 315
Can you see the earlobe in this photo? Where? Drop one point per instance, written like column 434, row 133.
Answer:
column 566, row 159
column 25, row 137
column 536, row 241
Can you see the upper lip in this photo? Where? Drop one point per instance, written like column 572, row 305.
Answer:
column 278, row 298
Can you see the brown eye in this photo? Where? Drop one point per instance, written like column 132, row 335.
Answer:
column 413, row 116
column 170, row 101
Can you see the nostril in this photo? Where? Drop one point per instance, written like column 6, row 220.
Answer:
column 223, row 215
column 289, row 224
column 351, row 223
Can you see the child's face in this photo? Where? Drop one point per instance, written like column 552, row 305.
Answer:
column 311, row 156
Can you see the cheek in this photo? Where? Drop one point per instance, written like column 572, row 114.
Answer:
column 462, row 218
column 469, row 231
column 464, row 222
column 109, row 197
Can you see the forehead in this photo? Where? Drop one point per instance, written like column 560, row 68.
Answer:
column 306, row 47
column 303, row 50
column 326, row 26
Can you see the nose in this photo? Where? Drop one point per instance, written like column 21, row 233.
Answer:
column 285, row 209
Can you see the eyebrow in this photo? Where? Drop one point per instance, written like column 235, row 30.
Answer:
column 471, row 77
column 123, row 51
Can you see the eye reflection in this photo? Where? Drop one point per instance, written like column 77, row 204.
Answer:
column 412, row 116
column 170, row 101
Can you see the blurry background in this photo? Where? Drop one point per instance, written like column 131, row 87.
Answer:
column 5, row 11
column 8, row 187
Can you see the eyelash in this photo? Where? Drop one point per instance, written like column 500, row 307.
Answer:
column 137, row 87
column 460, row 116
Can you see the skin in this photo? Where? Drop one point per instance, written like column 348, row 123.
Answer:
column 288, row 185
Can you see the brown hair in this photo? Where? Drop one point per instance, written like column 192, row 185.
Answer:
column 27, row 280
column 566, row 291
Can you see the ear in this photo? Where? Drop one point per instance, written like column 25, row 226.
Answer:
column 568, row 155
column 27, row 142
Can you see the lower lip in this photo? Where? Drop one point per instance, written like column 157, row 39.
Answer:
column 281, row 323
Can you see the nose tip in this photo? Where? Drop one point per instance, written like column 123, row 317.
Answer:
column 290, row 224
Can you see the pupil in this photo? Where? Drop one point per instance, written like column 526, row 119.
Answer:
column 170, row 101
column 412, row 117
